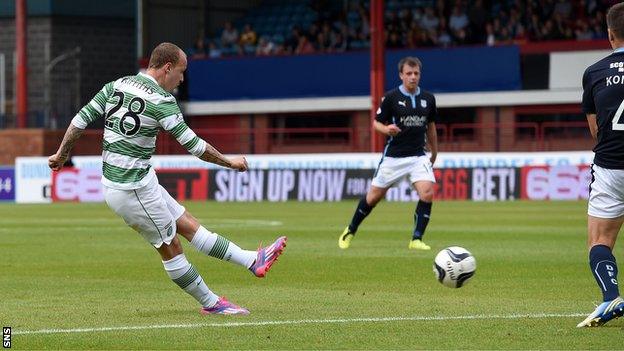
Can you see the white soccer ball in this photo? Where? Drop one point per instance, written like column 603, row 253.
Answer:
column 454, row 266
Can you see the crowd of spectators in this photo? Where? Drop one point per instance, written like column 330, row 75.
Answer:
column 436, row 23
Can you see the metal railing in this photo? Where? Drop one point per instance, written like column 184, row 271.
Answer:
column 473, row 137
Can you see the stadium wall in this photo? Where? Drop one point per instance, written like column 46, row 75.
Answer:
column 348, row 74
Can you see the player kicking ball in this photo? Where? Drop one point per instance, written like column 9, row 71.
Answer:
column 134, row 109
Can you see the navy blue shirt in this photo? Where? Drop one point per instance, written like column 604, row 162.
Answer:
column 603, row 95
column 411, row 113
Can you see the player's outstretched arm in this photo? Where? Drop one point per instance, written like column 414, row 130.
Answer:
column 56, row 161
column 213, row 155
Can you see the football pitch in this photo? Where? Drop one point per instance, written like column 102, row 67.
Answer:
column 74, row 276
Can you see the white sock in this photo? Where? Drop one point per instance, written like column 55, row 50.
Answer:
column 213, row 244
column 187, row 278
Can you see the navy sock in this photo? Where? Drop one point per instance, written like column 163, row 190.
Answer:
column 421, row 219
column 603, row 267
column 362, row 210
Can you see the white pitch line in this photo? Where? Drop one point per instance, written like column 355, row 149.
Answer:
column 294, row 322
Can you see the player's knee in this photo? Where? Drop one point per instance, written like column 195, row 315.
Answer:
column 171, row 250
column 373, row 198
column 187, row 225
column 426, row 195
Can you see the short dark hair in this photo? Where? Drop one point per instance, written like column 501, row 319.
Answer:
column 615, row 20
column 410, row 61
column 163, row 53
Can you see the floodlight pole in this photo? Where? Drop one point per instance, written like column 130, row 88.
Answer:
column 377, row 72
column 47, row 72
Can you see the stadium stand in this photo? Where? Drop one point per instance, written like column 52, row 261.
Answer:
column 332, row 27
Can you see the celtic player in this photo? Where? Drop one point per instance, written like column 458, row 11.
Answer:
column 134, row 109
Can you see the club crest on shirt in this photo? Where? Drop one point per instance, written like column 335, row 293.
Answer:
column 423, row 103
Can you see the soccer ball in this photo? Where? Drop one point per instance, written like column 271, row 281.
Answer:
column 454, row 266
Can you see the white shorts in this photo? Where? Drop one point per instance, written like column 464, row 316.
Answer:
column 149, row 210
column 393, row 169
column 606, row 193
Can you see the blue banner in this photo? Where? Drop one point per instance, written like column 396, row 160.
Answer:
column 348, row 74
column 7, row 184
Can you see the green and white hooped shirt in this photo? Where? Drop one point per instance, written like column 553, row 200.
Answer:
column 135, row 108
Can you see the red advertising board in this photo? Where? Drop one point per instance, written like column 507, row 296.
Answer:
column 555, row 183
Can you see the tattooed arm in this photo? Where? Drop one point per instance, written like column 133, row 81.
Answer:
column 56, row 161
column 213, row 155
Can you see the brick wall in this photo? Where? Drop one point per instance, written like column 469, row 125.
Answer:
column 107, row 52
column 41, row 142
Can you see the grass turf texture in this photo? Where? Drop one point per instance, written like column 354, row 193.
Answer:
column 73, row 266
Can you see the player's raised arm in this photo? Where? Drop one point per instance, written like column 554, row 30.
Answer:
column 89, row 113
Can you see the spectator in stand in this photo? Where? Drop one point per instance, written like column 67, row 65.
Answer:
column 394, row 41
column 291, row 43
column 280, row 49
column 312, row 33
column 461, row 37
column 520, row 36
column 490, row 36
column 265, row 47
column 549, row 31
column 582, row 31
column 248, row 40
column 323, row 43
column 392, row 23
column 458, row 19
column 324, row 38
column 417, row 15
column 229, row 38
column 599, row 25
column 198, row 51
column 503, row 36
column 405, row 19
column 440, row 9
column 248, row 37
column 429, row 21
column 304, row 46
column 563, row 8
column 444, row 39
column 477, row 16
column 213, row 50
column 339, row 44
column 562, row 30
column 514, row 23
column 413, row 35
column 426, row 39
column 365, row 25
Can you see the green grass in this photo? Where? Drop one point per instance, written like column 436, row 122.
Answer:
column 72, row 266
